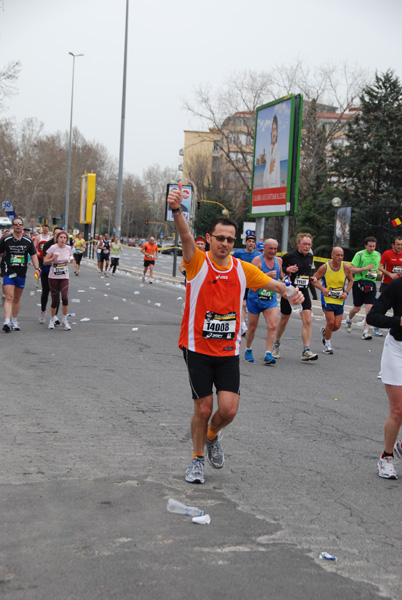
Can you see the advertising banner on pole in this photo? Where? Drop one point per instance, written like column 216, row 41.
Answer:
column 88, row 185
column 276, row 157
column 185, row 204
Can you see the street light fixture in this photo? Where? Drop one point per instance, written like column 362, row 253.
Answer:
column 69, row 147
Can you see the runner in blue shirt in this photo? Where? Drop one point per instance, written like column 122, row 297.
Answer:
column 247, row 254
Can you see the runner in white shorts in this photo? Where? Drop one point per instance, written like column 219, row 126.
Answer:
column 391, row 372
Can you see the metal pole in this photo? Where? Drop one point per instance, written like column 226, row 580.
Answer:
column 69, row 147
column 119, row 201
column 285, row 233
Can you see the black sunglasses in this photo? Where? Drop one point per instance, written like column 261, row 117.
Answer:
column 222, row 238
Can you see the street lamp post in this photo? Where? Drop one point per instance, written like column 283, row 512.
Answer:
column 110, row 210
column 69, row 147
column 119, row 201
column 336, row 203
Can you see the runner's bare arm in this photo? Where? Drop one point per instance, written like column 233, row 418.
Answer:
column 280, row 287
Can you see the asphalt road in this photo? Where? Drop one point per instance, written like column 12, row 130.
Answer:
column 95, row 438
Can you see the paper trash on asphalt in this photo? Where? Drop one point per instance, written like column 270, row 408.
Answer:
column 85, row 319
column 75, row 300
column 115, row 318
column 204, row 520
column 134, row 329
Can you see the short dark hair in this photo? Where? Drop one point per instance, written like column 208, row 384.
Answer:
column 19, row 218
column 221, row 221
column 370, row 238
column 397, row 237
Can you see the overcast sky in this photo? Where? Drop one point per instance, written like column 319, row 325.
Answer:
column 174, row 46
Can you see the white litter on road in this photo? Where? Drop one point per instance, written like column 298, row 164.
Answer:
column 115, row 318
column 204, row 520
column 75, row 300
column 84, row 319
column 134, row 329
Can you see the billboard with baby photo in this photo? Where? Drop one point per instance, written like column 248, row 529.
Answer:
column 276, row 157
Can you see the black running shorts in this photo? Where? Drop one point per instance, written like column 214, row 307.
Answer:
column 204, row 371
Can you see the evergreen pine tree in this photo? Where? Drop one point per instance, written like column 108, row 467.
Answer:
column 368, row 168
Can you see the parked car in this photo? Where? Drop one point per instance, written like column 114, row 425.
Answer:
column 170, row 249
column 131, row 243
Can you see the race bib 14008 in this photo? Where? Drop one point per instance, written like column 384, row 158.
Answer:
column 219, row 327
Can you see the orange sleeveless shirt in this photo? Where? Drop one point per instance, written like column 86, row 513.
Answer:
column 214, row 298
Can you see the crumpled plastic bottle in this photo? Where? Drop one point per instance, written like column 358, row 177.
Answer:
column 179, row 508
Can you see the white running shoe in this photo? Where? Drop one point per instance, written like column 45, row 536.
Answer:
column 378, row 332
column 348, row 326
column 276, row 353
column 215, row 454
column 398, row 449
column 42, row 318
column 308, row 355
column 195, row 472
column 66, row 325
column 386, row 468
column 51, row 323
column 367, row 336
column 15, row 326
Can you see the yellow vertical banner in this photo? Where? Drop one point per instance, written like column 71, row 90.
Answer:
column 88, row 185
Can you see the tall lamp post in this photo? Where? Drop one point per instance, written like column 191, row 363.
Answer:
column 336, row 203
column 69, row 147
column 119, row 201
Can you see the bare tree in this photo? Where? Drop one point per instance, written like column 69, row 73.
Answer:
column 8, row 79
column 230, row 113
